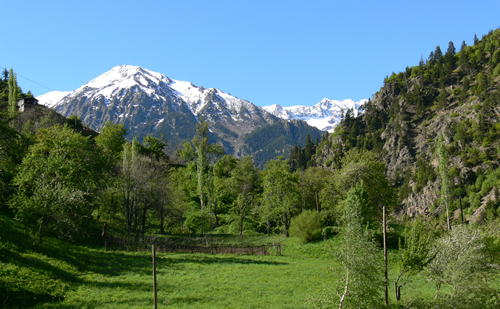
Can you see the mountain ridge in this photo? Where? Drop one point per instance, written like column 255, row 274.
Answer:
column 325, row 115
column 147, row 102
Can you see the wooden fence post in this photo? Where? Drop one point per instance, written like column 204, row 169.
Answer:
column 154, row 277
column 384, row 222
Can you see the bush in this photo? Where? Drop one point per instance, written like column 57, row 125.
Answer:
column 307, row 226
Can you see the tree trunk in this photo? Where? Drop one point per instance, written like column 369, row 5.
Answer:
column 397, row 291
column 241, row 226
column 397, row 288
column 448, row 216
column 216, row 220
column 136, row 217
column 287, row 225
column 386, row 281
column 303, row 192
column 317, row 204
column 162, row 230
column 40, row 230
column 346, row 289
column 128, row 213
column 143, row 223
column 104, row 229
column 438, row 287
column 201, row 200
column 210, row 215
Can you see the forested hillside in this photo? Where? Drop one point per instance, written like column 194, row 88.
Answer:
column 451, row 94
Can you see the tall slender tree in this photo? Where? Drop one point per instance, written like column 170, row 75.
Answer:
column 12, row 92
column 200, row 142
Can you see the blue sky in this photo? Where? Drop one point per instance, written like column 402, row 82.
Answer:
column 266, row 52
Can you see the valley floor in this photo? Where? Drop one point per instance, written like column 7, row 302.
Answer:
column 58, row 274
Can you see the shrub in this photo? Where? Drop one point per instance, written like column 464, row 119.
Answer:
column 307, row 226
column 496, row 71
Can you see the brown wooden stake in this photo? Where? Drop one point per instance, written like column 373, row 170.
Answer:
column 461, row 211
column 385, row 259
column 154, row 277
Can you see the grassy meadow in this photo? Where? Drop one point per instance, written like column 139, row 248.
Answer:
column 58, row 274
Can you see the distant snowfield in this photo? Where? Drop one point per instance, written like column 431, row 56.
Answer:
column 325, row 115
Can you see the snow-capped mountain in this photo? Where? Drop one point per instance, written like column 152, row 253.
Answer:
column 147, row 102
column 325, row 115
column 130, row 82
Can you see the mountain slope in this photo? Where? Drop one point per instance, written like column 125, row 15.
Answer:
column 147, row 102
column 454, row 95
column 325, row 115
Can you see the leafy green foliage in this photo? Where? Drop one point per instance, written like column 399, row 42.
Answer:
column 61, row 171
column 360, row 167
column 307, row 226
column 280, row 195
column 111, row 140
column 361, row 284
column 414, row 253
column 460, row 262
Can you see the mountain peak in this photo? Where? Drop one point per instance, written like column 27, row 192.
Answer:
column 127, row 75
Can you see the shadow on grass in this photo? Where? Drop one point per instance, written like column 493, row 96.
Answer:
column 17, row 297
column 215, row 259
column 37, row 265
column 141, row 286
column 185, row 300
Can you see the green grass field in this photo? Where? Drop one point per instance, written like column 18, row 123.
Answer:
column 58, row 274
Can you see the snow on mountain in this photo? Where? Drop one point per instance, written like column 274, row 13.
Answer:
column 120, row 81
column 52, row 98
column 123, row 83
column 325, row 115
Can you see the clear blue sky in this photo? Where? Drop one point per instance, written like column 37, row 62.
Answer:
column 266, row 52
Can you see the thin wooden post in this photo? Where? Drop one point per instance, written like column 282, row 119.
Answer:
column 461, row 210
column 385, row 258
column 154, row 277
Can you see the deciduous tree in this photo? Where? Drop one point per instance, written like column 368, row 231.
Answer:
column 361, row 285
column 280, row 195
column 59, row 176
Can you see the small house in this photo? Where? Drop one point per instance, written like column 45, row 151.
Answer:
column 26, row 103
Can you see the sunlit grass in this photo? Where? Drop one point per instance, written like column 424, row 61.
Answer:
column 200, row 280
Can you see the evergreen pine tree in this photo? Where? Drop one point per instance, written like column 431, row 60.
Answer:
column 438, row 54
column 292, row 160
column 308, row 149
column 451, row 49
column 462, row 58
